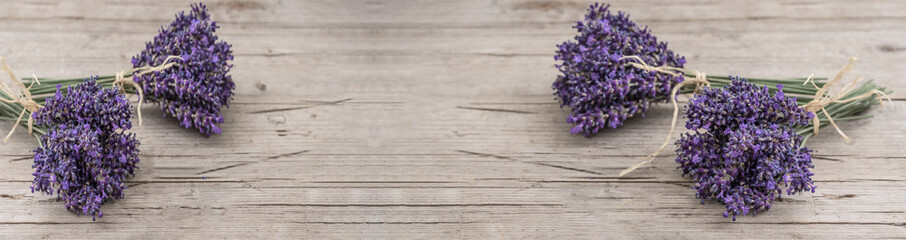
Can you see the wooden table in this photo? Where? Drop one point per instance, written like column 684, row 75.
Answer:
column 436, row 120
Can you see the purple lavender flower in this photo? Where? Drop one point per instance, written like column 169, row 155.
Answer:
column 603, row 90
column 86, row 103
column 87, row 167
column 85, row 156
column 747, row 150
column 199, row 84
column 742, row 102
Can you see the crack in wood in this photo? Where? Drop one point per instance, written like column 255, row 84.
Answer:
column 178, row 181
column 12, row 196
column 533, row 163
column 515, row 103
column 21, row 159
column 388, row 187
column 896, row 212
column 495, row 110
column 386, row 182
column 309, row 102
column 143, row 208
column 407, row 205
column 247, row 163
column 183, row 177
column 827, row 158
column 834, row 196
column 54, row 223
column 623, row 181
column 510, row 55
column 388, row 223
column 302, row 107
column 895, row 224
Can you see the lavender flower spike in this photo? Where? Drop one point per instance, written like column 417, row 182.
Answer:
column 86, row 103
column 85, row 156
column 747, row 150
column 199, row 84
column 598, row 84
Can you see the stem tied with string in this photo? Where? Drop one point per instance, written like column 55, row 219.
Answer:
column 846, row 104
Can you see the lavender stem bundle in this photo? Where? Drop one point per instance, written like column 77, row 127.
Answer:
column 614, row 69
column 185, row 70
column 748, row 142
column 81, row 124
column 814, row 98
column 22, row 97
column 84, row 153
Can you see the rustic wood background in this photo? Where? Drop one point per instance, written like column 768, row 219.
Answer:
column 435, row 120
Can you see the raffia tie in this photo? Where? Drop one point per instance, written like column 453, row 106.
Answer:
column 700, row 80
column 823, row 98
column 21, row 96
column 121, row 80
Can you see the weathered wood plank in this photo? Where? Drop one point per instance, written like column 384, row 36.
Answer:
column 435, row 120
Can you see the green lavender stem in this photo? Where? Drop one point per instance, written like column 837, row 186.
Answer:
column 48, row 85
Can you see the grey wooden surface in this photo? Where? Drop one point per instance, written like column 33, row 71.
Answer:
column 435, row 120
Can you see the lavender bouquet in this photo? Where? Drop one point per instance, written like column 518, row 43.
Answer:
column 615, row 69
column 597, row 80
column 85, row 153
column 746, row 147
column 751, row 133
column 748, row 142
column 185, row 70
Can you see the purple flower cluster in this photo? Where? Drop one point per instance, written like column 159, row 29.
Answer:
column 744, row 150
column 86, row 103
column 85, row 156
column 199, row 84
column 602, row 89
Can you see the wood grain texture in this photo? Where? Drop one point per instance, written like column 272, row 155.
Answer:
column 435, row 120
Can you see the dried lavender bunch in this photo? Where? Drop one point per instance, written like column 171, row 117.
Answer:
column 745, row 149
column 598, row 84
column 199, row 84
column 84, row 165
column 614, row 69
column 85, row 155
column 184, row 69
